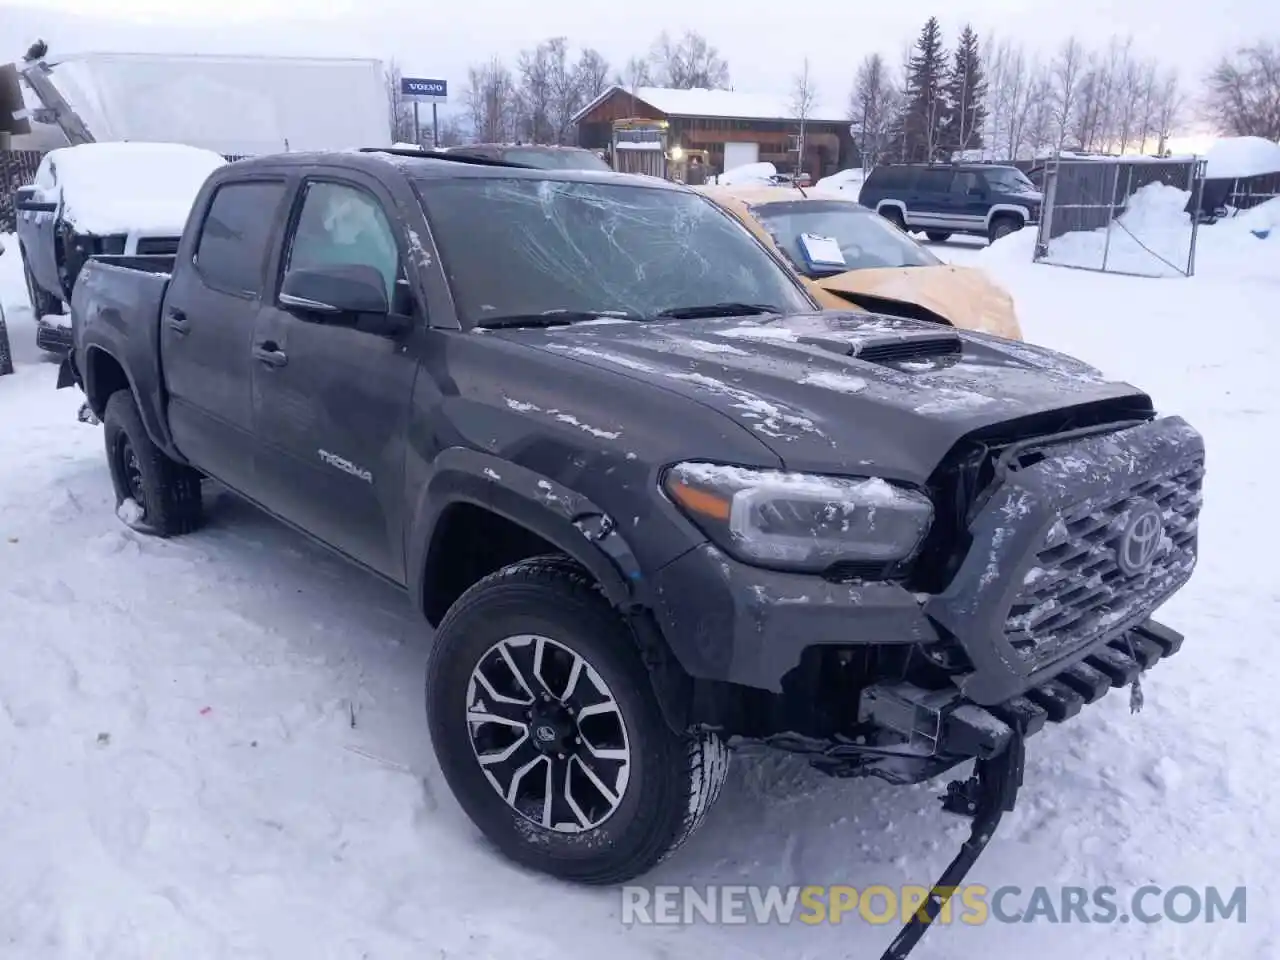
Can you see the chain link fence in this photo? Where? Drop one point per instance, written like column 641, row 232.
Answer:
column 1120, row 214
column 17, row 169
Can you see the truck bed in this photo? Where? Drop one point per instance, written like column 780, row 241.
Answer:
column 115, row 310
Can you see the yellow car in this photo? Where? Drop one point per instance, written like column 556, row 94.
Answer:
column 851, row 257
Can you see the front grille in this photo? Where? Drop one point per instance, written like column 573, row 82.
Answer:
column 164, row 246
column 1077, row 592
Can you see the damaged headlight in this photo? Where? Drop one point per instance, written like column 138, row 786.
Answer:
column 800, row 521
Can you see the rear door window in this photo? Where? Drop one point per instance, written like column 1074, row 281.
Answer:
column 965, row 183
column 934, row 181
column 235, row 236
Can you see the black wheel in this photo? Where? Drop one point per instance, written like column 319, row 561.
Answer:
column 166, row 494
column 43, row 303
column 894, row 216
column 937, row 237
column 547, row 730
column 6, row 358
column 1002, row 227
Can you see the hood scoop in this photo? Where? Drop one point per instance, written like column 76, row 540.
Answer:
column 892, row 347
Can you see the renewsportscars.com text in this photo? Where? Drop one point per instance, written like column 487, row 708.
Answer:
column 971, row 904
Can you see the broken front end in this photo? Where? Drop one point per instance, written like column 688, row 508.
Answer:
column 1030, row 597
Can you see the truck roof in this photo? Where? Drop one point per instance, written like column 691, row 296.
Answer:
column 428, row 165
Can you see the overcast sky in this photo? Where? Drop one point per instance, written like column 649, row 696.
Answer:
column 764, row 42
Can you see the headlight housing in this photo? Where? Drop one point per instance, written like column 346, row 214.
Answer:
column 797, row 521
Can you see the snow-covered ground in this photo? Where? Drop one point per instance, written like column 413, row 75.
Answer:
column 215, row 746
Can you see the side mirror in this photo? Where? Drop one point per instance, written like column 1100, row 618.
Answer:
column 352, row 295
column 34, row 206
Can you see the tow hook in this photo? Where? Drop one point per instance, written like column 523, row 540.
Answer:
column 986, row 796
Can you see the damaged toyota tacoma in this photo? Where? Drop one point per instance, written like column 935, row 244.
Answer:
column 649, row 496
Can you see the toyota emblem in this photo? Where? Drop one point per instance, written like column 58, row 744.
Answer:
column 1141, row 539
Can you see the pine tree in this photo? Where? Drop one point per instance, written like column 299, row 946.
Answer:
column 965, row 94
column 925, row 102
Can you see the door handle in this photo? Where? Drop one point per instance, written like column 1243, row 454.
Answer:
column 270, row 354
column 178, row 322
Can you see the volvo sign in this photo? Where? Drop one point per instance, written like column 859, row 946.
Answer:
column 424, row 90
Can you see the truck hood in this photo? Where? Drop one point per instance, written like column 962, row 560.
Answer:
column 840, row 392
column 963, row 296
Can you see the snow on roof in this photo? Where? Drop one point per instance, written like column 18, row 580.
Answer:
column 728, row 104
column 232, row 105
column 1232, row 158
column 112, row 188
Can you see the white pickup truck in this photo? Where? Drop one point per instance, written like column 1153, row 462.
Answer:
column 100, row 198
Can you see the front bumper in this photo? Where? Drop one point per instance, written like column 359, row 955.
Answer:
column 939, row 729
column 1041, row 604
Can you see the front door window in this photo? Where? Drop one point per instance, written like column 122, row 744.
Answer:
column 341, row 225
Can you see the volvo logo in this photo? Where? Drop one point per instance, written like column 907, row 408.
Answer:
column 545, row 733
column 1141, row 539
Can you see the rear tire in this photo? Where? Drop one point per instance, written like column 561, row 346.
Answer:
column 43, row 303
column 167, row 492
column 1002, row 227
column 533, row 796
column 937, row 237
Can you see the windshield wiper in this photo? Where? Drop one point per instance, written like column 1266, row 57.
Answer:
column 700, row 311
column 553, row 318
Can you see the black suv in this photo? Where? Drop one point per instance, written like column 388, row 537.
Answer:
column 651, row 497
column 941, row 199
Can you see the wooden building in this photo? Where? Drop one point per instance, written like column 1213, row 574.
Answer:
column 726, row 127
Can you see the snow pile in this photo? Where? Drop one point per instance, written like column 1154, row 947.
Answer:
column 1232, row 158
column 846, row 181
column 749, row 174
column 1155, row 226
column 113, row 188
column 1152, row 237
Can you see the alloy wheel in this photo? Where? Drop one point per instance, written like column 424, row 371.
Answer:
column 548, row 733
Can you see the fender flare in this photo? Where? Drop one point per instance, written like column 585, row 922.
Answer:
column 151, row 412
column 557, row 514
column 897, row 204
column 998, row 208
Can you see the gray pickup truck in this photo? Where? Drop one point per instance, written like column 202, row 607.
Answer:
column 649, row 495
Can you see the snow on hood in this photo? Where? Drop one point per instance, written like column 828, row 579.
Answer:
column 113, row 188
column 846, row 181
column 747, row 174
column 798, row 383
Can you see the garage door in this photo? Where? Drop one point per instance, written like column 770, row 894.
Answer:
column 736, row 154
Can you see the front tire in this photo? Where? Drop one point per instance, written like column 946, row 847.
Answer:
column 167, row 493
column 6, row 356
column 1002, row 227
column 43, row 303
column 938, row 236
column 547, row 730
